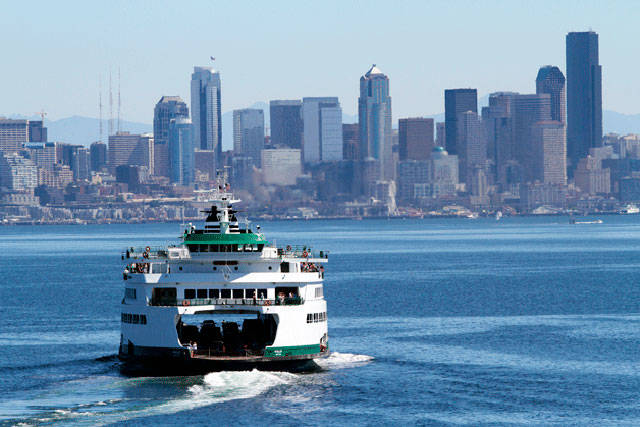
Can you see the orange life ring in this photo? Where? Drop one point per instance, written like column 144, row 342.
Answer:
column 267, row 302
column 305, row 254
column 186, row 302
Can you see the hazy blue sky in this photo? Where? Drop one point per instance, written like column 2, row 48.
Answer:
column 54, row 51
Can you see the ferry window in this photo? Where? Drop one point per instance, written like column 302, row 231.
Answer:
column 143, row 319
column 260, row 248
column 136, row 318
column 202, row 293
column 225, row 293
column 319, row 292
column 309, row 317
column 215, row 248
column 238, row 293
column 284, row 267
column 214, row 293
column 189, row 293
column 315, row 317
column 193, row 248
column 250, row 293
column 204, row 248
column 262, row 293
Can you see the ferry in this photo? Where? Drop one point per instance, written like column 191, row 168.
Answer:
column 223, row 298
column 630, row 209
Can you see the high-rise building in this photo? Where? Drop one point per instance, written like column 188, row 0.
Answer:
column 13, row 134
column 350, row 141
column 167, row 108
column 37, row 131
column 584, row 96
column 322, row 119
column 549, row 160
column 528, row 110
column 286, row 124
column 98, row 155
column 456, row 102
column 410, row 173
column 204, row 162
column 181, row 151
column 415, row 138
column 80, row 163
column 497, row 118
column 43, row 154
column 471, row 143
column 206, row 112
column 17, row 173
column 441, row 138
column 374, row 113
column 248, row 134
column 551, row 80
column 130, row 149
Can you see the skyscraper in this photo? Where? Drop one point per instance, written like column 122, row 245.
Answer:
column 551, row 80
column 206, row 110
column 248, row 134
column 350, row 141
column 374, row 114
column 181, row 151
column 98, row 155
column 498, row 122
column 13, row 133
column 37, row 131
column 584, row 96
column 528, row 110
column 322, row 119
column 285, row 118
column 415, row 138
column 549, row 152
column 169, row 107
column 471, row 144
column 128, row 149
column 457, row 101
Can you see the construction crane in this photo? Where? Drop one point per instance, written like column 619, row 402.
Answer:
column 42, row 114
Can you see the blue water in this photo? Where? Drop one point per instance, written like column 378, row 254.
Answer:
column 432, row 322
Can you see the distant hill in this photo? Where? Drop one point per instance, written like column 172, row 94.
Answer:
column 84, row 130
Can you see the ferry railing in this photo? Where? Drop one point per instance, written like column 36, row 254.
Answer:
column 153, row 252
column 301, row 251
column 227, row 301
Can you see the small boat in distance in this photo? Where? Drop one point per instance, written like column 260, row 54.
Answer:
column 498, row 215
column 629, row 209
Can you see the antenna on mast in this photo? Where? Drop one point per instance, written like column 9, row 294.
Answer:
column 110, row 105
column 100, row 107
column 118, row 99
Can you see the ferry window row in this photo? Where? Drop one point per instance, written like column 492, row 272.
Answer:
column 136, row 319
column 316, row 317
column 225, row 248
column 224, row 293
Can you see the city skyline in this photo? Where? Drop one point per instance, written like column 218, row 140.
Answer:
column 418, row 81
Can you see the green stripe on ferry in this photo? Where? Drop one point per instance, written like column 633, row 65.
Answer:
column 225, row 239
column 292, row 350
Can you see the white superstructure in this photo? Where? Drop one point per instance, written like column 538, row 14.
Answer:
column 224, row 296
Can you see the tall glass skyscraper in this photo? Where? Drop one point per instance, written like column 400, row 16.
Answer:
column 286, row 123
column 551, row 80
column 248, row 134
column 322, row 128
column 374, row 114
column 181, row 148
column 456, row 102
column 206, row 110
column 168, row 108
column 584, row 96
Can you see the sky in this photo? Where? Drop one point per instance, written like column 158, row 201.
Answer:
column 57, row 55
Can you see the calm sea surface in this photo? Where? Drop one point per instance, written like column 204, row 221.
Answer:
column 432, row 322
